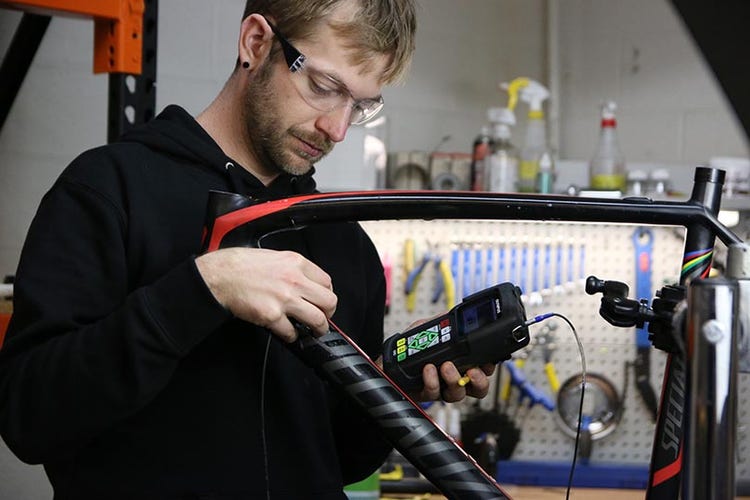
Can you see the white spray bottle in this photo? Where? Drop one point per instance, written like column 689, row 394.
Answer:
column 535, row 145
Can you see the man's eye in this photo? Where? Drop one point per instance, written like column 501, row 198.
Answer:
column 323, row 90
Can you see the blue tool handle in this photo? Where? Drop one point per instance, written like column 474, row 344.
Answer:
column 522, row 277
column 412, row 278
column 454, row 265
column 466, row 281
column 582, row 262
column 477, row 270
column 643, row 242
column 558, row 265
column 535, row 396
column 488, row 268
column 517, row 377
column 526, row 389
column 439, row 282
column 547, row 266
column 538, row 397
column 501, row 265
column 570, row 264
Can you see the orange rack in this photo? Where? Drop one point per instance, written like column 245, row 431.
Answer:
column 118, row 28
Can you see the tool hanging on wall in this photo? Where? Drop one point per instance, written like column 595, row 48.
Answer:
column 559, row 288
column 547, row 285
column 444, row 283
column 489, row 267
column 570, row 285
column 455, row 267
column 466, row 285
column 388, row 274
column 501, row 273
column 413, row 274
column 526, row 390
column 409, row 263
column 490, row 435
column 517, row 378
column 535, row 296
column 522, row 270
column 643, row 242
column 478, row 281
column 602, row 410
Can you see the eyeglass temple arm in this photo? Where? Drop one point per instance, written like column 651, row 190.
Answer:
column 294, row 58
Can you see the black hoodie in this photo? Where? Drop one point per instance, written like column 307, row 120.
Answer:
column 126, row 379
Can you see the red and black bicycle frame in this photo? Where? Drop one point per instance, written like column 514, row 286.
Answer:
column 235, row 220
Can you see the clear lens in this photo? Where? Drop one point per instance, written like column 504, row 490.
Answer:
column 324, row 94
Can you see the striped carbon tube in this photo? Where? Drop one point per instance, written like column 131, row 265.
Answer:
column 235, row 220
column 434, row 453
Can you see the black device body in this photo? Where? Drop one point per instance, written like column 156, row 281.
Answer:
column 486, row 327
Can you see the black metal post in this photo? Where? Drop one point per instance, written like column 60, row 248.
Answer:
column 132, row 98
column 18, row 59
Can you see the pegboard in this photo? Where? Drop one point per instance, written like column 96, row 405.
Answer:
column 550, row 261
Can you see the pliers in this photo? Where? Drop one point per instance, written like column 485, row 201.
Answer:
column 443, row 282
column 413, row 274
column 526, row 389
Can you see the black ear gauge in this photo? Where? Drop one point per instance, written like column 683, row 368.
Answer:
column 245, row 64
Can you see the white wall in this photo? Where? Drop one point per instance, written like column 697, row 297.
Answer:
column 637, row 52
column 634, row 51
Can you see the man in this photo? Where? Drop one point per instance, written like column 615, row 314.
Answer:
column 134, row 368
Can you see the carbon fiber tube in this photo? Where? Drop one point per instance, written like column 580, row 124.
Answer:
column 665, row 471
column 433, row 452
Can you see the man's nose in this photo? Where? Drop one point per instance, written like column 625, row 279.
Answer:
column 335, row 123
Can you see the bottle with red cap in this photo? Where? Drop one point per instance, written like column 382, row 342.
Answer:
column 607, row 166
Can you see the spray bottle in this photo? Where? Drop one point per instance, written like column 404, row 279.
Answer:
column 607, row 166
column 480, row 150
column 501, row 165
column 535, row 145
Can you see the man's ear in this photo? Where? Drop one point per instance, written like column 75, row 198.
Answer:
column 256, row 38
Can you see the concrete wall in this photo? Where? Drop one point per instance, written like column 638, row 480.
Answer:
column 634, row 51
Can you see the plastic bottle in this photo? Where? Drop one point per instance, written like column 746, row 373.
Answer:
column 480, row 150
column 535, row 144
column 659, row 184
column 545, row 177
column 607, row 166
column 636, row 183
column 501, row 165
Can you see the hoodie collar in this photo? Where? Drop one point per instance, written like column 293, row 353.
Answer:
column 176, row 133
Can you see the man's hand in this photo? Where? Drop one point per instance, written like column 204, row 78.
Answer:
column 266, row 287
column 451, row 390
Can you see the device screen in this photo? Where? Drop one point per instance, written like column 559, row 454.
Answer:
column 478, row 315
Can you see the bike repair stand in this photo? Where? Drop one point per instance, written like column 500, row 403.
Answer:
column 709, row 333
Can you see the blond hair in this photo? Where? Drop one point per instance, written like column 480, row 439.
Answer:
column 378, row 27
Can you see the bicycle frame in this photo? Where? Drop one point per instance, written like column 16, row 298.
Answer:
column 237, row 221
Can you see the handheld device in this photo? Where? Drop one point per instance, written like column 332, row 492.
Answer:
column 487, row 327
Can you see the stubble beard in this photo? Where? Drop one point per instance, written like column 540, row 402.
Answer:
column 267, row 137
